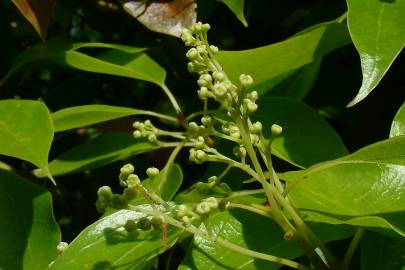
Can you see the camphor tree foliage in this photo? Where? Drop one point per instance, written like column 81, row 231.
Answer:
column 202, row 135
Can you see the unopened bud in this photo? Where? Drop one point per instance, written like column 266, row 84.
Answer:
column 152, row 171
column 276, row 130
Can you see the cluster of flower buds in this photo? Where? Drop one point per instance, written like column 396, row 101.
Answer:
column 144, row 223
column 145, row 130
column 107, row 199
column 213, row 182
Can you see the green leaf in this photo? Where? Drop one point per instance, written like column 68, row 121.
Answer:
column 85, row 115
column 26, row 131
column 237, row 7
column 120, row 60
column 380, row 252
column 362, row 189
column 37, row 13
column 274, row 60
column 167, row 182
column 29, row 234
column 251, row 231
column 306, row 138
column 102, row 150
column 107, row 245
column 398, row 124
column 378, row 32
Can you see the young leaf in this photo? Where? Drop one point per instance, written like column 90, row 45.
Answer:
column 398, row 124
column 168, row 17
column 249, row 230
column 271, row 61
column 85, row 115
column 107, row 245
column 237, row 7
column 362, row 189
column 380, row 252
column 378, row 32
column 306, row 138
column 26, row 131
column 37, row 13
column 102, row 150
column 29, row 234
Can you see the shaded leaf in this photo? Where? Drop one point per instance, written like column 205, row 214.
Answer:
column 79, row 116
column 398, row 124
column 29, row 234
column 249, row 230
column 26, row 131
column 37, row 13
column 380, row 252
column 378, row 32
column 362, row 189
column 237, row 7
column 102, row 150
column 274, row 60
column 168, row 17
column 306, row 138
column 107, row 245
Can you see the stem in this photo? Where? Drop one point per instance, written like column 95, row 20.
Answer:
column 352, row 248
column 222, row 242
column 244, row 193
column 172, row 99
column 251, row 209
column 161, row 116
column 342, row 18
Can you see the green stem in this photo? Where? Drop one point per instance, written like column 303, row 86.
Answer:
column 172, row 99
column 352, row 248
column 161, row 116
column 251, row 209
column 244, row 193
column 222, row 242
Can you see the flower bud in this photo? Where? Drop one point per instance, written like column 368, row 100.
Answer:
column 182, row 210
column 193, row 127
column 105, row 192
column 129, row 193
column 212, row 202
column 152, row 138
column 152, row 171
column 219, row 76
column 144, row 224
column 253, row 96
column 245, row 80
column 127, row 169
column 203, row 208
column 214, row 49
column 61, row 247
column 203, row 188
column 203, row 93
column 133, row 180
column 157, row 222
column 192, row 54
column 276, row 130
column 130, row 225
column 137, row 124
column 137, row 134
column 206, row 120
column 200, row 143
column 219, row 90
column 256, row 127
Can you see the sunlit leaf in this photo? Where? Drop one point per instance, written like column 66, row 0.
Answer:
column 107, row 245
column 269, row 62
column 237, row 7
column 378, row 31
column 29, row 234
column 168, row 17
column 37, row 12
column 364, row 189
column 26, row 131
column 398, row 124
column 102, row 150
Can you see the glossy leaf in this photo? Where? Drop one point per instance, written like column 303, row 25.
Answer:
column 167, row 182
column 380, row 252
column 237, row 7
column 274, row 60
column 120, row 60
column 168, row 17
column 29, row 234
column 398, row 124
column 26, row 131
column 247, row 230
column 295, row 84
column 107, row 245
column 378, row 32
column 85, row 115
column 362, row 189
column 102, row 150
column 38, row 13
column 306, row 138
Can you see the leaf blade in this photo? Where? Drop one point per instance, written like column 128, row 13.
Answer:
column 378, row 33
